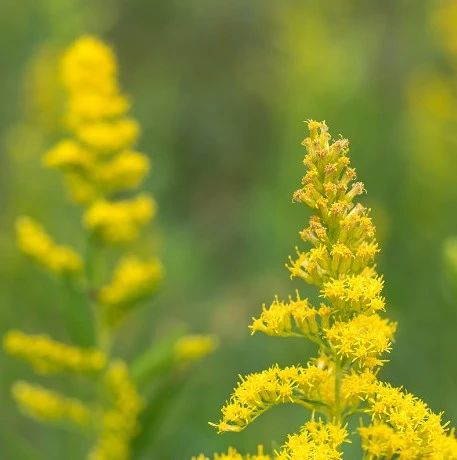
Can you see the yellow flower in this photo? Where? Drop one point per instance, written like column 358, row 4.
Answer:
column 119, row 221
column 194, row 347
column 233, row 454
column 108, row 136
column 133, row 280
column 255, row 393
column 316, row 441
column 48, row 356
column 361, row 340
column 119, row 421
column 125, row 171
column 50, row 406
column 38, row 245
column 403, row 426
column 68, row 155
column 360, row 293
column 99, row 159
column 294, row 318
column 89, row 64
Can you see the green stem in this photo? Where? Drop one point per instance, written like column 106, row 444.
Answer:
column 102, row 332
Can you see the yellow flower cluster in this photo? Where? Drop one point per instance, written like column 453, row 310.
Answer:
column 50, row 406
column 361, row 340
column 119, row 422
column 233, row 454
column 193, row 347
column 316, row 441
column 256, row 393
column 360, row 293
column 89, row 73
column 33, row 241
column 48, row 356
column 98, row 160
column 351, row 335
column 121, row 172
column 294, row 318
column 119, row 221
column 133, row 279
column 404, row 427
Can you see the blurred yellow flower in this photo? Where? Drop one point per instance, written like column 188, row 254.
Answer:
column 33, row 241
column 193, row 347
column 48, row 356
column 119, row 420
column 119, row 221
column 133, row 279
column 50, row 406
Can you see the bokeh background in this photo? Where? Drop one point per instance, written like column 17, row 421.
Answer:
column 221, row 89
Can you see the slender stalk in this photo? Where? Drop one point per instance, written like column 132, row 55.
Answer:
column 102, row 334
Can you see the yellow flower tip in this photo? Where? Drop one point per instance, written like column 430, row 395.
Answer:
column 34, row 242
column 315, row 126
column 194, row 347
column 225, row 427
column 89, row 64
column 98, row 160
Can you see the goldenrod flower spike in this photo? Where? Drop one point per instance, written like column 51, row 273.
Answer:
column 101, row 168
column 352, row 336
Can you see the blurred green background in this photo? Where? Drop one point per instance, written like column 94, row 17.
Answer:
column 221, row 89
